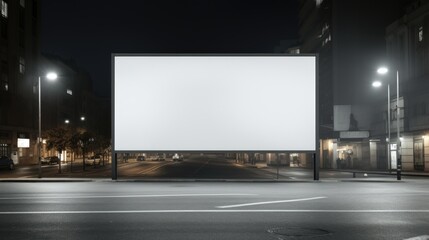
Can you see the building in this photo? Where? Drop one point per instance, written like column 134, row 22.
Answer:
column 70, row 102
column 19, row 51
column 407, row 48
column 70, row 98
column 349, row 37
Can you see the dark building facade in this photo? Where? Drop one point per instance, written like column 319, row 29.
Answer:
column 69, row 101
column 19, row 51
column 407, row 42
column 349, row 37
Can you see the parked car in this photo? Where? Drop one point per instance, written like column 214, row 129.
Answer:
column 177, row 157
column 50, row 160
column 160, row 157
column 6, row 162
column 93, row 160
column 141, row 158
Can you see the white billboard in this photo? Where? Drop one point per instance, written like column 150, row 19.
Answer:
column 214, row 103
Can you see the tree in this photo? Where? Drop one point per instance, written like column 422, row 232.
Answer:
column 84, row 141
column 58, row 139
column 102, row 145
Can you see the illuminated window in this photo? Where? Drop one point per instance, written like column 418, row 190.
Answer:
column 22, row 3
column 420, row 33
column 326, row 40
column 21, row 65
column 318, row 2
column 325, row 28
column 69, row 92
column 295, row 51
column 4, row 8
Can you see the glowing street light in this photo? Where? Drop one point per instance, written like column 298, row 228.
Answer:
column 376, row 84
column 384, row 70
column 50, row 76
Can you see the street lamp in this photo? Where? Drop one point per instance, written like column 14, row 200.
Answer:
column 384, row 70
column 51, row 76
column 378, row 84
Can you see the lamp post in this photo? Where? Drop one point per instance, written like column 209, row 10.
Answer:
column 378, row 84
column 384, row 70
column 50, row 76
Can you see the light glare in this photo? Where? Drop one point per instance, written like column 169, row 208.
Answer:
column 382, row 70
column 51, row 76
column 376, row 84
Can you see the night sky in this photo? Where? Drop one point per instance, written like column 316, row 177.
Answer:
column 89, row 31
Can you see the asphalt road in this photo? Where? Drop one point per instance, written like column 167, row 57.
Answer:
column 198, row 210
column 204, row 167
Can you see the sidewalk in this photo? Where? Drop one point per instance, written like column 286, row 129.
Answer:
column 307, row 173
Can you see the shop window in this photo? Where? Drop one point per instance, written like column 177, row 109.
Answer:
column 4, row 149
column 419, row 163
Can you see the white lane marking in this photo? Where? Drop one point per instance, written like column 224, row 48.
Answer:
column 422, row 237
column 132, row 196
column 270, row 202
column 218, row 211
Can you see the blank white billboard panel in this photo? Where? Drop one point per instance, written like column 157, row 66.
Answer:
column 214, row 103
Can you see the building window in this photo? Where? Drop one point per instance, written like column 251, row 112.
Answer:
column 420, row 33
column 4, row 29
column 4, row 82
column 326, row 40
column 22, row 3
column 21, row 39
column 4, row 8
column 21, row 65
column 295, row 51
column 325, row 28
column 69, row 92
column 22, row 18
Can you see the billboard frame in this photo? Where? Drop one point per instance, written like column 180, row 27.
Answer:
column 316, row 157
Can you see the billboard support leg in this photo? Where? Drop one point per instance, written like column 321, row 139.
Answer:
column 315, row 167
column 114, row 166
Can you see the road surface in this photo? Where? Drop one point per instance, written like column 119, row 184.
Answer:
column 200, row 210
